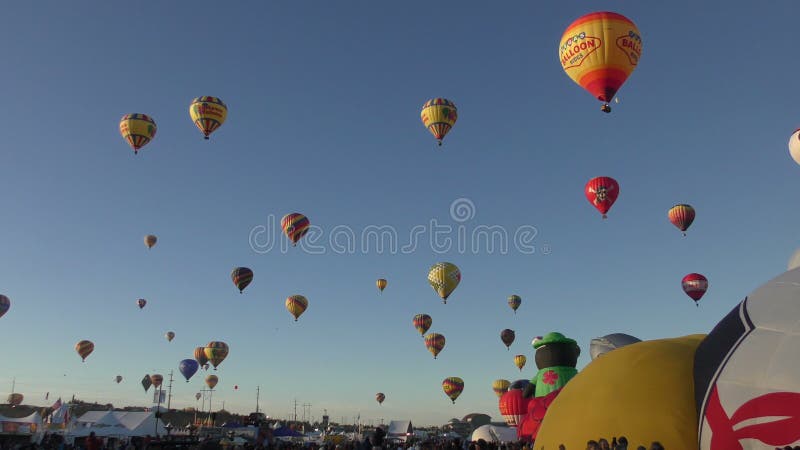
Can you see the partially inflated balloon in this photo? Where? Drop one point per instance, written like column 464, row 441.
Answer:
column 381, row 283
column 211, row 381
column 141, row 302
column 507, row 336
column 422, row 322
column 200, row 356
column 188, row 367
column 296, row 305
column 794, row 262
column 5, row 304
column 602, row 192
column 118, row 379
column 380, row 397
column 295, row 226
column 681, row 216
column 500, row 387
column 434, row 342
column 519, row 361
column 150, row 240
column 208, row 113
column 453, row 386
column 599, row 51
column 514, row 301
column 241, row 276
column 137, row 129
column 695, row 285
column 444, row 278
column 84, row 349
column 170, row 335
column 216, row 352
column 439, row 115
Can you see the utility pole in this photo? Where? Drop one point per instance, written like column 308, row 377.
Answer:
column 258, row 391
column 295, row 410
column 169, row 391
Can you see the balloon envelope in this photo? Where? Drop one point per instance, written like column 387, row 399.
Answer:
column 15, row 399
column 434, row 342
column 170, row 335
column 118, row 379
column 84, row 349
column 380, row 397
column 602, row 192
column 794, row 262
column 514, row 301
column 500, row 387
column 141, row 302
column 513, row 407
column 208, row 114
column 146, row 382
column 5, row 304
column 681, row 216
column 211, row 381
column 216, row 352
column 150, row 240
column 507, row 336
column 519, row 361
column 200, row 356
column 422, row 322
column 602, row 345
column 695, row 286
column 439, row 115
column 241, row 276
column 137, row 130
column 156, row 379
column 188, row 367
column 453, row 386
column 444, row 277
column 296, row 305
column 381, row 283
column 295, row 226
column 794, row 146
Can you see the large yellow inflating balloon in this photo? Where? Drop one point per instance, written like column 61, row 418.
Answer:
column 599, row 51
column 137, row 130
column 443, row 278
column 643, row 391
column 208, row 113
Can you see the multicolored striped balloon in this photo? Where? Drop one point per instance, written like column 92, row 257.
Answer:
column 380, row 397
column 150, row 240
column 141, row 302
column 422, row 322
column 216, row 352
column 296, row 305
column 84, row 349
column 681, row 216
column 208, row 114
column 241, row 276
column 453, row 386
column 295, row 226
column 507, row 336
column 137, row 129
column 439, row 115
column 200, row 356
column 500, row 387
column 434, row 342
column 514, row 301
column 381, row 283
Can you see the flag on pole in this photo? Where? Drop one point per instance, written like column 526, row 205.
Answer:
column 56, row 405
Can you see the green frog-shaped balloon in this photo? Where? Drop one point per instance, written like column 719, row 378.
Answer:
column 556, row 358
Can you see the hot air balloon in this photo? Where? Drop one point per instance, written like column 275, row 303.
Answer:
column 422, row 322
column 521, row 384
column 216, row 352
column 453, row 386
column 5, row 304
column 15, row 399
column 381, row 283
column 519, row 361
column 150, row 240
column 514, row 301
column 146, row 383
column 211, row 381
column 599, row 51
column 602, row 192
column 141, row 302
column 137, row 129
column 296, row 305
column 84, row 349
column 380, row 397
column 208, row 113
column 295, row 226
column 241, row 276
column 681, row 216
column 794, row 146
column 500, row 387
column 695, row 285
column 434, row 342
column 200, row 355
column 235, row 387
column 197, row 396
column 205, row 366
column 118, row 379
column 444, row 278
column 439, row 115
column 170, row 335
column 513, row 407
column 188, row 367
column 794, row 262
column 157, row 379
column 507, row 336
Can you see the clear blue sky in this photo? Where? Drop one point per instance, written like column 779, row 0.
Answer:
column 324, row 101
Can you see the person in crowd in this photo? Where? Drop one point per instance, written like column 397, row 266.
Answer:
column 92, row 443
column 603, row 444
column 656, row 446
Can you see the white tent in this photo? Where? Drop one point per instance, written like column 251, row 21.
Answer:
column 492, row 433
column 400, row 430
column 119, row 423
column 24, row 425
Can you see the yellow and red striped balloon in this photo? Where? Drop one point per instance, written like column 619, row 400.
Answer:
column 211, row 381
column 216, row 352
column 84, row 349
column 200, row 356
column 453, row 386
column 296, row 305
column 434, row 342
column 599, row 51
column 295, row 226
column 422, row 322
column 439, row 115
column 137, row 130
column 242, row 277
column 519, row 361
column 208, row 114
column 681, row 216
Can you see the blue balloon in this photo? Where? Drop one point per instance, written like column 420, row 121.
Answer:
column 188, row 367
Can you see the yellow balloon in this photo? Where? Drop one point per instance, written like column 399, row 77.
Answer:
column 439, row 115
column 599, row 51
column 520, row 361
column 137, row 129
column 208, row 113
column 647, row 393
column 381, row 283
column 296, row 305
column 444, row 278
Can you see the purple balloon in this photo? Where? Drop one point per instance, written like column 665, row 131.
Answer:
column 188, row 367
column 5, row 304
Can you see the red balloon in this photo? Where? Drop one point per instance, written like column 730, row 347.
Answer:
column 513, row 407
column 602, row 192
column 695, row 285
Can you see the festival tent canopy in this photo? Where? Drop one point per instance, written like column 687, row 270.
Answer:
column 286, row 432
column 399, row 430
column 492, row 433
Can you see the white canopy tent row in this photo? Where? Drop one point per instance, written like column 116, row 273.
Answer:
column 30, row 425
column 117, row 424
